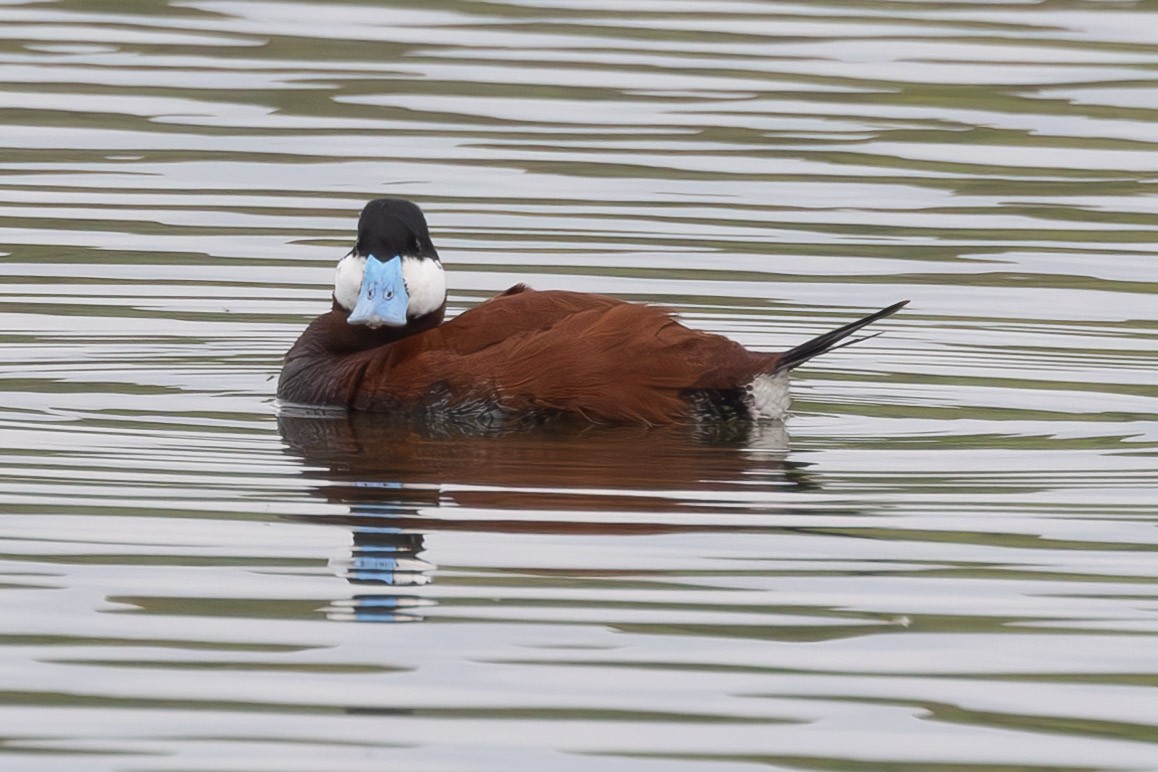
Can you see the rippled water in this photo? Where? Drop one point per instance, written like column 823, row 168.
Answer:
column 948, row 560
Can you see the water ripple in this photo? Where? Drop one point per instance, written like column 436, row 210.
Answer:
column 944, row 561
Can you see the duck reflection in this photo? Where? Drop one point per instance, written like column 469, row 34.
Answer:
column 401, row 479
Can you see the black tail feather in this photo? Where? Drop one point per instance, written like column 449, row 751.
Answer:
column 830, row 341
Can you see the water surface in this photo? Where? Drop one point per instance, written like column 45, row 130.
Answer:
column 946, row 559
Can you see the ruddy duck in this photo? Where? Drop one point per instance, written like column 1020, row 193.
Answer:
column 524, row 355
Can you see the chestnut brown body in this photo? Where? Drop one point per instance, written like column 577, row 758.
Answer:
column 526, row 353
column 521, row 356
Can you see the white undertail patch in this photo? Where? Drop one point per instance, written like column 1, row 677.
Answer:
column 425, row 284
column 768, row 397
column 348, row 280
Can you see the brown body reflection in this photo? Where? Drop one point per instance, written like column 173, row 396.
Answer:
column 392, row 475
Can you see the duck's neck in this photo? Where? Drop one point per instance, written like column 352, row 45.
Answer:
column 342, row 337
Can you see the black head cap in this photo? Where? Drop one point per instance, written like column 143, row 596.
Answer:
column 391, row 227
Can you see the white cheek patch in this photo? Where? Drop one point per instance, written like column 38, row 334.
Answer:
column 348, row 280
column 425, row 283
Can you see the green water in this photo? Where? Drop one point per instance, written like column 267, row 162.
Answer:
column 946, row 560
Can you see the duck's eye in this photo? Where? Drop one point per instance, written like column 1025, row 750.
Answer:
column 390, row 295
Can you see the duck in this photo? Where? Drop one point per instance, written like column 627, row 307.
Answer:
column 525, row 355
